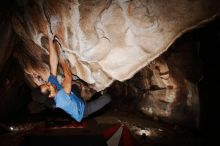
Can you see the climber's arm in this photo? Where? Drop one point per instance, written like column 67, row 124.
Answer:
column 53, row 58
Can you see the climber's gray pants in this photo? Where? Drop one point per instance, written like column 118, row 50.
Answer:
column 97, row 104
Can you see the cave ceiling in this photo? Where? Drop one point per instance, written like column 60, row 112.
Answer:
column 103, row 40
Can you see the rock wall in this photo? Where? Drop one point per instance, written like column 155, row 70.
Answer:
column 103, row 40
column 166, row 89
column 108, row 40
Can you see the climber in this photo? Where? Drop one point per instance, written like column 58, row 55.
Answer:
column 62, row 95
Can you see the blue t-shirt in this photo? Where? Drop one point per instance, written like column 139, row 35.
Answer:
column 71, row 104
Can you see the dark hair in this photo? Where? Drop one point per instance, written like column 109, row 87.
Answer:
column 42, row 98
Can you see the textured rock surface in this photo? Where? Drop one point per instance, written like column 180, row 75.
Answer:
column 104, row 40
column 167, row 87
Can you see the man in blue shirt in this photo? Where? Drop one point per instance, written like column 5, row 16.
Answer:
column 63, row 96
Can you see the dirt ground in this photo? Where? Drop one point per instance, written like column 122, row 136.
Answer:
column 144, row 131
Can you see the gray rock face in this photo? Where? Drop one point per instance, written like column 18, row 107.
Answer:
column 115, row 40
column 104, row 40
column 167, row 87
